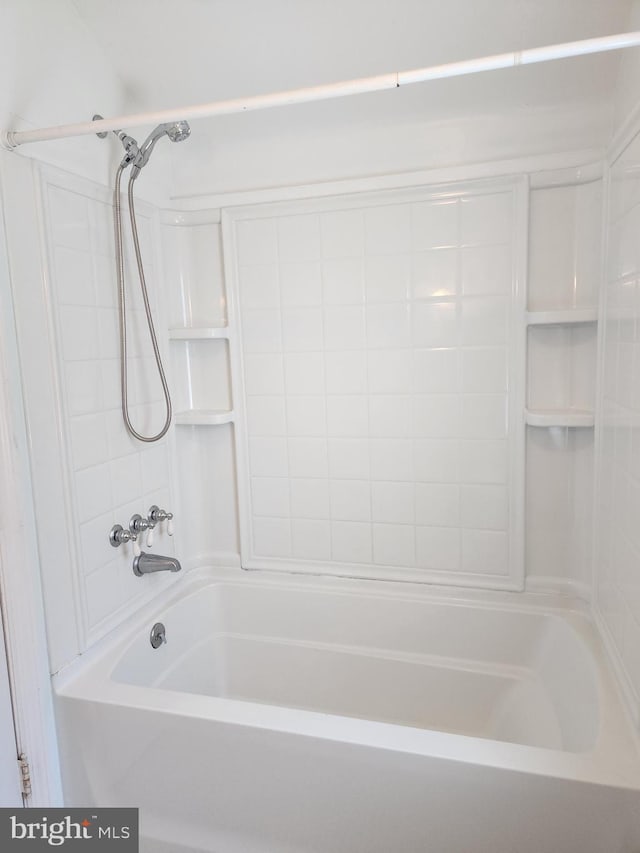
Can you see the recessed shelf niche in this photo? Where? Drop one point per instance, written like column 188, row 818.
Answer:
column 561, row 370
column 202, row 387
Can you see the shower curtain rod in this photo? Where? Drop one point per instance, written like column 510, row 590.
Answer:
column 12, row 139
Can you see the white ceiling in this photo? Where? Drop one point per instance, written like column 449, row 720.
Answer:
column 170, row 53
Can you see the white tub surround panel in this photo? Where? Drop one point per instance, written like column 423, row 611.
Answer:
column 68, row 316
column 378, row 374
column 113, row 475
column 40, row 382
column 617, row 578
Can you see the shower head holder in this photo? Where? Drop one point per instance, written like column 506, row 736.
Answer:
column 138, row 156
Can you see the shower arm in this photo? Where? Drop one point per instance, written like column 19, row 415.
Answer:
column 12, row 139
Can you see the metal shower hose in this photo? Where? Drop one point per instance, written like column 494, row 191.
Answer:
column 123, row 313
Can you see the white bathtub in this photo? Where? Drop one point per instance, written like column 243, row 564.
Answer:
column 308, row 715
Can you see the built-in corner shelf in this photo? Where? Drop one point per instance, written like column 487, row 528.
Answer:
column 562, row 317
column 203, row 333
column 204, row 369
column 204, row 417
column 559, row 418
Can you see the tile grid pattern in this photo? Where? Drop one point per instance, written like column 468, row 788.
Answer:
column 375, row 350
column 617, row 575
column 111, row 475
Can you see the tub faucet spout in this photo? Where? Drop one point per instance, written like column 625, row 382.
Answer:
column 145, row 564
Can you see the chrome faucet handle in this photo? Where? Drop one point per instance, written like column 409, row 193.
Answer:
column 118, row 536
column 137, row 524
column 156, row 515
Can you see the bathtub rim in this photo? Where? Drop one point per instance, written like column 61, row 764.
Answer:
column 614, row 760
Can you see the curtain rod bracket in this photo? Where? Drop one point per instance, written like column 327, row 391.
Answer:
column 103, row 133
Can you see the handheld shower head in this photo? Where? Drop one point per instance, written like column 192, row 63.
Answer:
column 137, row 157
column 176, row 131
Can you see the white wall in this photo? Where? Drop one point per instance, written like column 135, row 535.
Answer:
column 54, row 71
column 626, row 88
column 617, row 554
column 245, row 158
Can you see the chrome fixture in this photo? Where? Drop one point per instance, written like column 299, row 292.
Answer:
column 158, row 635
column 118, row 536
column 146, row 564
column 104, row 133
column 137, row 156
column 138, row 524
column 132, row 152
column 155, row 516
column 177, row 132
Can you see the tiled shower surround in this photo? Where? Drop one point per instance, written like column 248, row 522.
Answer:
column 111, row 475
column 376, row 343
column 354, row 365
